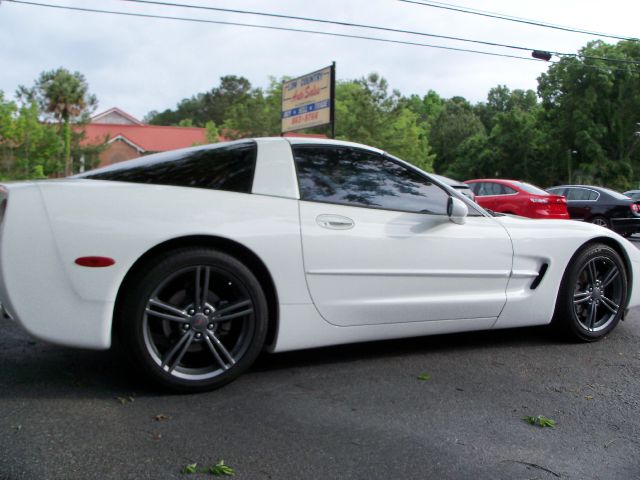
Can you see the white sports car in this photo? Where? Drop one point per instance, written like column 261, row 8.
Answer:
column 199, row 259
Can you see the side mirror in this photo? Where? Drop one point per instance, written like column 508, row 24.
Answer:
column 457, row 210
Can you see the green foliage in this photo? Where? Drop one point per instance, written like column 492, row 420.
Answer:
column 592, row 107
column 28, row 148
column 424, row 377
column 367, row 113
column 213, row 135
column 221, row 469
column 190, row 468
column 456, row 123
column 208, row 106
column 583, row 126
column 65, row 97
column 540, row 421
column 257, row 116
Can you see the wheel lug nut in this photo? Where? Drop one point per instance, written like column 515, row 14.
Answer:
column 207, row 311
column 187, row 326
column 210, row 326
column 191, row 311
column 198, row 335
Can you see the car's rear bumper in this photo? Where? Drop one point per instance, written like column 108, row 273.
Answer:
column 626, row 225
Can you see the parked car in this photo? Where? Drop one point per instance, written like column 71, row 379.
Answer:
column 518, row 198
column 199, row 259
column 601, row 206
column 461, row 187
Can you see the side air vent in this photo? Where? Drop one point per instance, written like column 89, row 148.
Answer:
column 538, row 279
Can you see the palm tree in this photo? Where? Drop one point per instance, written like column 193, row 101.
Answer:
column 66, row 97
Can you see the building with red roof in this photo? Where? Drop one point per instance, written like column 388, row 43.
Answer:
column 127, row 137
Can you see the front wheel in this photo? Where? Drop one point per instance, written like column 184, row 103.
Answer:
column 195, row 320
column 593, row 293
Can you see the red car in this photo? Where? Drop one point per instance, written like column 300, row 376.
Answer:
column 518, row 198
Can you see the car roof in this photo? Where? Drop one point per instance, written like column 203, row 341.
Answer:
column 321, row 141
column 602, row 190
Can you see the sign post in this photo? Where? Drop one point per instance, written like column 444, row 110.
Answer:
column 309, row 101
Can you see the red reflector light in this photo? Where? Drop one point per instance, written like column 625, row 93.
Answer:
column 95, row 262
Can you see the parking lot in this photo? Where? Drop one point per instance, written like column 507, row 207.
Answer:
column 352, row 412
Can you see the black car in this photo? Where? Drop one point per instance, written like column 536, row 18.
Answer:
column 601, row 206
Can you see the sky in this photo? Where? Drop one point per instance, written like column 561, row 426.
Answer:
column 144, row 64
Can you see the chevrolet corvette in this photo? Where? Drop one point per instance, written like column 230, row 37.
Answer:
column 197, row 260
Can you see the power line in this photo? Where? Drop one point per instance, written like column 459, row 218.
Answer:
column 359, row 25
column 298, row 30
column 457, row 8
column 324, row 21
column 267, row 27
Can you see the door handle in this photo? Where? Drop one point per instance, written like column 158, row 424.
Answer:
column 334, row 222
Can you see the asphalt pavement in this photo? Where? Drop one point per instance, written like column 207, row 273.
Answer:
column 444, row 407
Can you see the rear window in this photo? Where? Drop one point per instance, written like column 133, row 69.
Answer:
column 527, row 187
column 228, row 166
column 614, row 194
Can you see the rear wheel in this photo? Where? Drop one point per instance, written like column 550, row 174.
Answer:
column 600, row 220
column 195, row 320
column 593, row 294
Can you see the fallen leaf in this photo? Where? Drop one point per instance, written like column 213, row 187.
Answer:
column 191, row 468
column 221, row 469
column 540, row 421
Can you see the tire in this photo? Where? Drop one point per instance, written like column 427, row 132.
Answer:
column 600, row 220
column 195, row 320
column 593, row 293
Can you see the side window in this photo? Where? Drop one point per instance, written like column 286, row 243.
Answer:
column 350, row 176
column 492, row 189
column 593, row 195
column 578, row 194
column 483, row 188
column 507, row 190
column 227, row 167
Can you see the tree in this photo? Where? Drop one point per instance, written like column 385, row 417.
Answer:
column 367, row 113
column 201, row 108
column 28, row 148
column 258, row 115
column 65, row 97
column 456, row 122
column 592, row 106
column 501, row 100
column 213, row 134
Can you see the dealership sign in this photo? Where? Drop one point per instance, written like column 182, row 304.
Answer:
column 307, row 101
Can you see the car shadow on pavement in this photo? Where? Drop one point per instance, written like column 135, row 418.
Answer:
column 29, row 368
column 454, row 342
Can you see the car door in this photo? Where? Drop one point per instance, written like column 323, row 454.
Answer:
column 379, row 247
column 579, row 202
